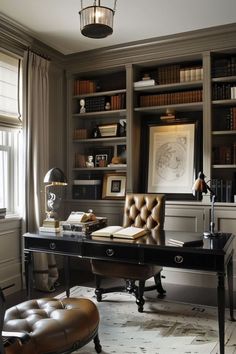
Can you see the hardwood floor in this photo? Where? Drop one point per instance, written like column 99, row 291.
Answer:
column 179, row 293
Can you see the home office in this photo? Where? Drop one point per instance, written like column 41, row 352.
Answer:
column 143, row 99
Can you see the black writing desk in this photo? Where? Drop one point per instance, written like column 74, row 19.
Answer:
column 215, row 255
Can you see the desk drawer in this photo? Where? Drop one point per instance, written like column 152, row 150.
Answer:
column 51, row 245
column 181, row 259
column 111, row 252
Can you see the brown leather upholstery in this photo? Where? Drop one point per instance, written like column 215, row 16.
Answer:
column 140, row 210
column 54, row 325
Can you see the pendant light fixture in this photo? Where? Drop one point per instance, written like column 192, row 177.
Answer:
column 96, row 21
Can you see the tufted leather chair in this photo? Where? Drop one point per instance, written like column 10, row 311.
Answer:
column 141, row 210
column 49, row 326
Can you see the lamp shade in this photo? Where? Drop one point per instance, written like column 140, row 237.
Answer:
column 200, row 184
column 55, row 176
column 96, row 21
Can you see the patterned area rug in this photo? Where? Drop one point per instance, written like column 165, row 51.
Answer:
column 163, row 328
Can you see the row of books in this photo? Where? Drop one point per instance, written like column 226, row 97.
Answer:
column 82, row 87
column 224, row 67
column 80, row 133
column 171, row 98
column 223, row 91
column 224, row 154
column 3, row 213
column 102, row 103
column 223, row 190
column 231, row 119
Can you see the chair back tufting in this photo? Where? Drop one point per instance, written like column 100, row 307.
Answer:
column 144, row 210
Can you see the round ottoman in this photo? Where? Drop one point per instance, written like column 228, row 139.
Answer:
column 54, row 325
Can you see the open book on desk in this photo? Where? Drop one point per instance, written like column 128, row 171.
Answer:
column 130, row 232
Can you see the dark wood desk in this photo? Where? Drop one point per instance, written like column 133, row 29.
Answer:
column 216, row 255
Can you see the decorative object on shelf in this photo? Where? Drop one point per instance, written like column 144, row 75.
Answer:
column 108, row 130
column 123, row 125
column 80, row 160
column 101, row 160
column 99, row 151
column 96, row 21
column 201, row 186
column 170, row 114
column 53, row 178
column 89, row 162
column 82, row 106
column 96, row 132
column 107, row 106
column 114, row 186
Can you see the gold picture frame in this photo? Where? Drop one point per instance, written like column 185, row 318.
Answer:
column 114, row 186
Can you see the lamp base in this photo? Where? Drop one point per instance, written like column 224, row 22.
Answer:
column 208, row 234
column 50, row 222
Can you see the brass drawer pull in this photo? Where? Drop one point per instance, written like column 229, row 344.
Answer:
column 110, row 252
column 179, row 259
column 52, row 245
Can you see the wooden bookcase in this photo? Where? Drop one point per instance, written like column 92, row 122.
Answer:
column 182, row 72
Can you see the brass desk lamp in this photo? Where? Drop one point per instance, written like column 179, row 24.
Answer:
column 54, row 177
column 201, row 186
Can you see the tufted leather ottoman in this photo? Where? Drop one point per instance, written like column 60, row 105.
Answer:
column 54, row 325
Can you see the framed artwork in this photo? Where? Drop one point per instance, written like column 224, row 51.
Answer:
column 114, row 186
column 173, row 158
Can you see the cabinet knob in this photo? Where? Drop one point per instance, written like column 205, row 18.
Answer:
column 52, row 245
column 110, row 252
column 179, row 259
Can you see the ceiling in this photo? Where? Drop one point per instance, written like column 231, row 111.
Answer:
column 56, row 22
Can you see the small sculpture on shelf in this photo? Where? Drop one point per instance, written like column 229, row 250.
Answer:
column 96, row 132
column 90, row 162
column 82, row 106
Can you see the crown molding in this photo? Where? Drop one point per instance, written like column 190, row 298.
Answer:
column 15, row 37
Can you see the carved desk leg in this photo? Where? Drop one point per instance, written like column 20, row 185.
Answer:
column 230, row 288
column 67, row 274
column 221, row 311
column 28, row 258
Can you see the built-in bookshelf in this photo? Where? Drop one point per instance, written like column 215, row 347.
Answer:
column 98, row 129
column 223, row 73
column 198, row 87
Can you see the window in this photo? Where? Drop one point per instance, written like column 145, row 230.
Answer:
column 10, row 133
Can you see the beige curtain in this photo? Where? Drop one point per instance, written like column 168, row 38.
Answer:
column 36, row 140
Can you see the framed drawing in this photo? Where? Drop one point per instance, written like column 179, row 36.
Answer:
column 114, row 186
column 173, row 153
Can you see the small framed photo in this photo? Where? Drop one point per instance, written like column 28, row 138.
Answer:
column 114, row 186
column 101, row 160
column 102, row 153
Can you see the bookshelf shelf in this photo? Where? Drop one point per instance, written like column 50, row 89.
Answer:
column 224, row 166
column 101, row 114
column 224, row 132
column 100, row 93
column 95, row 169
column 119, row 139
column 230, row 102
column 224, row 79
column 169, row 87
column 185, row 107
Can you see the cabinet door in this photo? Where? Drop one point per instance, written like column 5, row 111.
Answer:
column 184, row 219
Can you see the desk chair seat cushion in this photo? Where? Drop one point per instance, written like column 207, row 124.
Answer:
column 53, row 325
column 124, row 270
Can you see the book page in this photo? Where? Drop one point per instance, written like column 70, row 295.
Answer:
column 130, row 232
column 107, row 231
